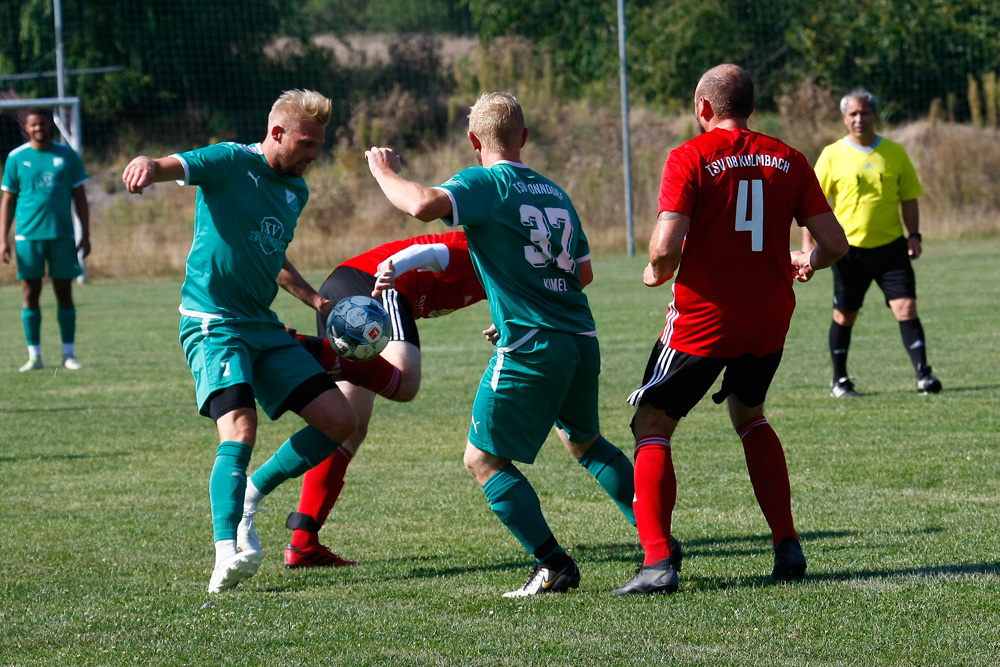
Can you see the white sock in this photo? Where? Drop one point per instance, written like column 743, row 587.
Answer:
column 224, row 549
column 34, row 351
column 68, row 349
column 252, row 497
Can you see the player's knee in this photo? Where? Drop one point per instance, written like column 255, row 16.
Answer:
column 409, row 385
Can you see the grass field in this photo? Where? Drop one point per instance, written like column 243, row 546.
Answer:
column 105, row 533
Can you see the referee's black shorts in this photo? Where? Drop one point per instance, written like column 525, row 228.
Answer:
column 348, row 281
column 888, row 265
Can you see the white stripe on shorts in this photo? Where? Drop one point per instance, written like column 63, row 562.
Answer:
column 390, row 300
column 495, row 380
column 660, row 372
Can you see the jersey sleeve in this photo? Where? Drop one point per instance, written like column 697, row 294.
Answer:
column 79, row 172
column 473, row 196
column 813, row 200
column 824, row 172
column 9, row 183
column 207, row 166
column 678, row 185
column 909, row 183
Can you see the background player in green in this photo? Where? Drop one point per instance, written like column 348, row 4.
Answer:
column 533, row 259
column 249, row 200
column 871, row 181
column 41, row 182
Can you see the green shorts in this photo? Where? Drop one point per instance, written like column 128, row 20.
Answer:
column 222, row 353
column 552, row 378
column 60, row 254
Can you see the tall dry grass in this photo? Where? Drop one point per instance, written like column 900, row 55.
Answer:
column 577, row 144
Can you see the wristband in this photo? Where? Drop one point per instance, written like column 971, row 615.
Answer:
column 917, row 236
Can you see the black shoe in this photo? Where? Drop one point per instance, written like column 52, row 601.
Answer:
column 658, row 578
column 789, row 561
column 547, row 578
column 927, row 383
column 843, row 388
column 676, row 553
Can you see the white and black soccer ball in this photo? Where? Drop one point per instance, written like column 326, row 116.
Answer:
column 358, row 328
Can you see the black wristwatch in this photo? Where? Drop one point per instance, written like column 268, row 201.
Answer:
column 917, row 236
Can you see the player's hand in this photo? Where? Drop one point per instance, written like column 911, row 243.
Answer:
column 84, row 246
column 385, row 278
column 914, row 248
column 650, row 279
column 138, row 174
column 324, row 306
column 491, row 334
column 382, row 159
column 4, row 252
column 802, row 269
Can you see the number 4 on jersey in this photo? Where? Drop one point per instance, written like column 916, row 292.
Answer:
column 755, row 223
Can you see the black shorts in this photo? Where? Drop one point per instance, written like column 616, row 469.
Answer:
column 888, row 265
column 674, row 382
column 347, row 281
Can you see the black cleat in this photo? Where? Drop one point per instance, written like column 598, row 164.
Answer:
column 927, row 383
column 676, row 553
column 547, row 578
column 789, row 561
column 843, row 388
column 658, row 578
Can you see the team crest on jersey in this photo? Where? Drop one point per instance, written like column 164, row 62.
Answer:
column 57, row 162
column 293, row 201
column 269, row 236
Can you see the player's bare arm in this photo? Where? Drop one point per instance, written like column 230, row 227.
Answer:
column 910, row 211
column 143, row 171
column 665, row 247
column 830, row 244
column 586, row 273
column 418, row 200
column 290, row 280
column 8, row 202
column 83, row 213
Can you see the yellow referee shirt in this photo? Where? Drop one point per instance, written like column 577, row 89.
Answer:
column 866, row 185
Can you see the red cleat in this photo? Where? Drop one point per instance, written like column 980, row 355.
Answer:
column 313, row 556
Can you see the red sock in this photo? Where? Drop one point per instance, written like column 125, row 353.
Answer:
column 769, row 476
column 321, row 486
column 655, row 495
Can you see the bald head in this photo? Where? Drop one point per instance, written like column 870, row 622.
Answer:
column 729, row 89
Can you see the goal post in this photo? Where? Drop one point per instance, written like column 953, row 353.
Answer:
column 70, row 128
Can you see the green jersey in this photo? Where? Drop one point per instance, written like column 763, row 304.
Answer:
column 526, row 242
column 43, row 182
column 245, row 216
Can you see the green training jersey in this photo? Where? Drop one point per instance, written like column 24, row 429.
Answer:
column 43, row 182
column 526, row 242
column 245, row 217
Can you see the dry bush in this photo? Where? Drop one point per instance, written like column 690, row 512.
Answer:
column 810, row 118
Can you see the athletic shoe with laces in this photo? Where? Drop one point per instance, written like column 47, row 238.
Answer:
column 313, row 556
column 237, row 568
column 34, row 364
column 70, row 362
column 658, row 578
column 789, row 561
column 246, row 534
column 546, row 578
column 843, row 388
column 927, row 383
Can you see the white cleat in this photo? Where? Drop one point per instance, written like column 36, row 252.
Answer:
column 234, row 570
column 71, row 363
column 32, row 365
column 246, row 534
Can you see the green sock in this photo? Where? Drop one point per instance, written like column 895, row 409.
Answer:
column 613, row 471
column 67, row 324
column 305, row 449
column 226, row 487
column 516, row 505
column 32, row 320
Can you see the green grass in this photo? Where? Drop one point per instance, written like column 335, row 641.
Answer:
column 105, row 534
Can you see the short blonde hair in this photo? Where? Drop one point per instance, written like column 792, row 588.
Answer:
column 294, row 106
column 497, row 119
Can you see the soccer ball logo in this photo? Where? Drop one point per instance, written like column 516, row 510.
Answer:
column 358, row 328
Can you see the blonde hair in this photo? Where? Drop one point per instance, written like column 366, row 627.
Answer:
column 497, row 119
column 294, row 106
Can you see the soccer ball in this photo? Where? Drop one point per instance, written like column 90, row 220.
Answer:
column 358, row 328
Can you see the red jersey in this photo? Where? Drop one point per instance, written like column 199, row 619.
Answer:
column 733, row 291
column 430, row 294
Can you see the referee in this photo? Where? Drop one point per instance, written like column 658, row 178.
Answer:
column 871, row 181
